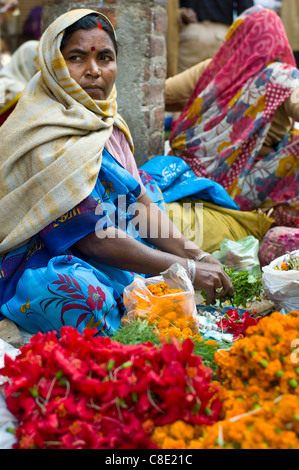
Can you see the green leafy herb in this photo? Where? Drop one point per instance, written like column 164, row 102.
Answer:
column 247, row 287
column 136, row 332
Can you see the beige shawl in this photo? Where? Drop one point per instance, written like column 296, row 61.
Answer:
column 51, row 145
column 17, row 73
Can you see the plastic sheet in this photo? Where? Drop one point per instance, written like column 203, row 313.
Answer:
column 140, row 302
column 282, row 287
column 7, row 420
column 241, row 255
column 176, row 181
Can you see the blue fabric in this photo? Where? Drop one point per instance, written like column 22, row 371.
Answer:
column 46, row 284
column 176, row 181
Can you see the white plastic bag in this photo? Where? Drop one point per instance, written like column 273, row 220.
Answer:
column 241, row 255
column 282, row 287
column 7, row 420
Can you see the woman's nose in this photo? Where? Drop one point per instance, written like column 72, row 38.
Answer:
column 92, row 68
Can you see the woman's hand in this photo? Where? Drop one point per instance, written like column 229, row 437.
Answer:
column 211, row 278
column 211, row 259
column 188, row 15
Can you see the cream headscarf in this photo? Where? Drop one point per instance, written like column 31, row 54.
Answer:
column 51, row 145
column 17, row 73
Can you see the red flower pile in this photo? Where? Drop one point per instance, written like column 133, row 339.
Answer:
column 87, row 392
column 233, row 323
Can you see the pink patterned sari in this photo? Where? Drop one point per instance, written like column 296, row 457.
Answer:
column 223, row 126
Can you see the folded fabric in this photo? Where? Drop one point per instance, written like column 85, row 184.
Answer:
column 176, row 181
column 209, row 224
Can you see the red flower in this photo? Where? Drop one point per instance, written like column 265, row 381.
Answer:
column 232, row 323
column 90, row 392
column 96, row 298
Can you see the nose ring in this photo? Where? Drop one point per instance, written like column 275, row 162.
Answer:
column 99, row 72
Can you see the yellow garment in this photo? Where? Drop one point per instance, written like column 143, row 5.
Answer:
column 51, row 145
column 290, row 18
column 209, row 225
column 178, row 90
column 199, row 41
column 172, row 37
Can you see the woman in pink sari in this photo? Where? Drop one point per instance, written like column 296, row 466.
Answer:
column 236, row 128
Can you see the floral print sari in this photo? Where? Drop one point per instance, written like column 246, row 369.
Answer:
column 47, row 284
column 223, row 126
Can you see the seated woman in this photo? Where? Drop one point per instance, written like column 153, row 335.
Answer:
column 71, row 193
column 238, row 110
column 15, row 76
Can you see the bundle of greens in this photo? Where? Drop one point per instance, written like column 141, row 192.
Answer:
column 247, row 287
column 140, row 331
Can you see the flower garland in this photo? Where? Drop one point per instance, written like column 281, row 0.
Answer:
column 259, row 393
column 231, row 322
column 87, row 392
column 170, row 310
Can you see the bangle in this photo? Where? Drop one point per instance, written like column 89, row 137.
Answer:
column 201, row 256
column 191, row 268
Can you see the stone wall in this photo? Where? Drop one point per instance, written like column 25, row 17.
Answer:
column 141, row 31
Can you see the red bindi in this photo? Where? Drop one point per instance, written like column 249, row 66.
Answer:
column 93, row 48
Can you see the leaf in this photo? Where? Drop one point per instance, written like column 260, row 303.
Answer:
column 78, row 296
column 69, row 306
column 64, row 287
column 68, row 280
column 76, row 283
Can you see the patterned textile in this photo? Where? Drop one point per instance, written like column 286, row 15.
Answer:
column 46, row 283
column 277, row 242
column 49, row 157
column 223, row 126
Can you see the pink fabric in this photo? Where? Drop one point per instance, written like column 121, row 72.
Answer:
column 277, row 242
column 224, row 125
column 258, row 41
column 119, row 148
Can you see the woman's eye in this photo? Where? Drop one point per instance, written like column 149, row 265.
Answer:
column 105, row 58
column 75, row 58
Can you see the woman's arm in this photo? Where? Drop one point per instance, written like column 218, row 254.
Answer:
column 116, row 248
column 179, row 88
column 161, row 232
column 291, row 105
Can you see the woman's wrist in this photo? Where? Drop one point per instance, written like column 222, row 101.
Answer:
column 201, row 256
column 191, row 269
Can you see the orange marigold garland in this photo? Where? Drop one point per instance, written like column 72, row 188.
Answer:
column 259, row 393
column 170, row 310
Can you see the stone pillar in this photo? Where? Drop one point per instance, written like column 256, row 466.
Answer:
column 141, row 27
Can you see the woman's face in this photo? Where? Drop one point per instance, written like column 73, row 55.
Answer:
column 91, row 59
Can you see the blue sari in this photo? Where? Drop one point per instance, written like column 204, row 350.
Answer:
column 47, row 284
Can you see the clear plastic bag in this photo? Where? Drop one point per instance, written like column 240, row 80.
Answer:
column 140, row 302
column 282, row 287
column 241, row 255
